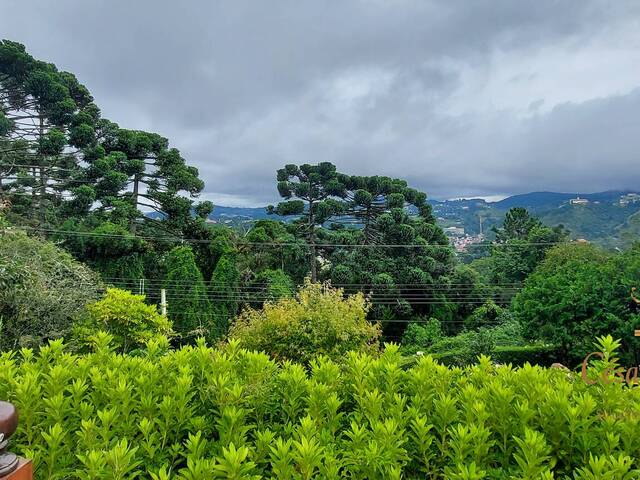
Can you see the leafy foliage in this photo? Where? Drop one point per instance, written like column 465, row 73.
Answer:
column 319, row 321
column 521, row 244
column 225, row 293
column 316, row 191
column 577, row 292
column 199, row 413
column 60, row 161
column 42, row 290
column 126, row 317
column 422, row 336
column 487, row 315
column 189, row 307
column 44, row 111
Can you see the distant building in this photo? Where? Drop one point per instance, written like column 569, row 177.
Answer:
column 629, row 198
column 579, row 201
column 461, row 243
column 454, row 231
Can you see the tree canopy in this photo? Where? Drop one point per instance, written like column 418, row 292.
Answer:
column 580, row 291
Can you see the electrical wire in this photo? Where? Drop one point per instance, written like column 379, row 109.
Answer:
column 289, row 244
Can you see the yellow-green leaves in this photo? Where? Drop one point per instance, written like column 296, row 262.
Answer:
column 128, row 320
column 199, row 413
column 320, row 321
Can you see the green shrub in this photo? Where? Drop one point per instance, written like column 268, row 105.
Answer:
column 497, row 342
column 199, row 413
column 419, row 336
column 126, row 317
column 508, row 333
column 487, row 315
column 42, row 290
column 464, row 348
column 225, row 293
column 273, row 285
column 543, row 355
column 578, row 292
column 457, row 342
column 318, row 321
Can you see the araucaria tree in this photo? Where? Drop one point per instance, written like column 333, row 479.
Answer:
column 370, row 197
column 140, row 168
column 60, row 159
column 315, row 194
column 47, row 118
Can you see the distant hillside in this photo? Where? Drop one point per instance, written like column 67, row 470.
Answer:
column 597, row 222
column 603, row 219
column 222, row 213
column 537, row 200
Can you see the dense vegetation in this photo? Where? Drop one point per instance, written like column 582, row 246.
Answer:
column 42, row 290
column 201, row 413
column 320, row 321
column 88, row 185
column 96, row 220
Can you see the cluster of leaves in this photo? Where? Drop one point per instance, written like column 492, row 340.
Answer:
column 42, row 290
column 44, row 115
column 579, row 291
column 504, row 341
column 318, row 321
column 126, row 317
column 520, row 245
column 65, row 168
column 406, row 252
column 199, row 413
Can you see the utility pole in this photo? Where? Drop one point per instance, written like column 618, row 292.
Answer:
column 163, row 302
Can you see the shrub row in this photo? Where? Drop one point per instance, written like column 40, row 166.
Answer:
column 200, row 413
column 544, row 355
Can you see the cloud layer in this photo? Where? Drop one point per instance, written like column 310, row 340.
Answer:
column 461, row 98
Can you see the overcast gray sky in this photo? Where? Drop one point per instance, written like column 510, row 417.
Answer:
column 461, row 98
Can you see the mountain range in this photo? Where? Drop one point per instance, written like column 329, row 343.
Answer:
column 611, row 218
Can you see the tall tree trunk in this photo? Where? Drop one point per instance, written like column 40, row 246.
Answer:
column 367, row 227
column 312, row 244
column 43, row 193
column 136, row 184
column 43, row 180
column 314, row 270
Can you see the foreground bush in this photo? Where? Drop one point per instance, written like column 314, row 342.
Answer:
column 579, row 292
column 319, row 320
column 123, row 315
column 42, row 290
column 199, row 413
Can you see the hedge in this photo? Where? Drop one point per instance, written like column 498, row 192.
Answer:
column 198, row 413
column 543, row 355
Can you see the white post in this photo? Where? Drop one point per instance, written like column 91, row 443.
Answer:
column 163, row 302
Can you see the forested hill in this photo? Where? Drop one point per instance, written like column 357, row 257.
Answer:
column 611, row 218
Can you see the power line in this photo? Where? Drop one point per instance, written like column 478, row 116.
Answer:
column 289, row 244
column 418, row 285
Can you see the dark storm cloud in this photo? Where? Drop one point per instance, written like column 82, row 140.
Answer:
column 459, row 97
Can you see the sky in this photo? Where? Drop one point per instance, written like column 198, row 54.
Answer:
column 462, row 98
